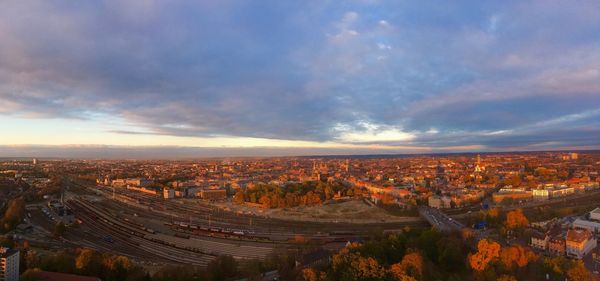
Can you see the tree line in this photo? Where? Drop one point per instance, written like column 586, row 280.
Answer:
column 295, row 194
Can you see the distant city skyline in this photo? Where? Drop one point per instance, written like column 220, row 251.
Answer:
column 151, row 79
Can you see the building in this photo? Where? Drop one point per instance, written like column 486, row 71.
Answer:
column 556, row 246
column 561, row 191
column 131, row 182
column 56, row 276
column 478, row 167
column 439, row 202
column 589, row 225
column 539, row 240
column 34, row 161
column 9, row 264
column 513, row 196
column 212, row 194
column 579, row 242
column 168, row 193
column 540, row 194
column 595, row 214
column 139, row 182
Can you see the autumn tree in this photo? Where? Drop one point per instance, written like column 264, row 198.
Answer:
column 117, row 267
column 14, row 214
column 516, row 255
column 410, row 268
column 351, row 266
column 397, row 272
column 238, row 198
column 578, row 272
column 557, row 266
column 309, row 274
column 487, row 251
column 516, row 220
column 88, row 262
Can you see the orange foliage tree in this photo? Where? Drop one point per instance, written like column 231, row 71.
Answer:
column 516, row 219
column 352, row 266
column 399, row 274
column 487, row 251
column 412, row 264
column 516, row 255
column 578, row 272
column 410, row 268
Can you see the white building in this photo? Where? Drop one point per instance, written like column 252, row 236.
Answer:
column 540, row 240
column 595, row 214
column 589, row 225
column 541, row 194
column 579, row 242
column 561, row 191
column 9, row 264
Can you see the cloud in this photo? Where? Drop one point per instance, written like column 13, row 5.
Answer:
column 489, row 75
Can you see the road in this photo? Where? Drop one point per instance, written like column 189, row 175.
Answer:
column 439, row 220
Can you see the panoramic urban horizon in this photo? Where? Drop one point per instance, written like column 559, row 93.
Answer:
column 358, row 140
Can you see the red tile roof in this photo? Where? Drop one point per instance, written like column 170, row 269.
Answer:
column 56, row 276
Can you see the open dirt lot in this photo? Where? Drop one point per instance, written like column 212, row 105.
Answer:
column 355, row 211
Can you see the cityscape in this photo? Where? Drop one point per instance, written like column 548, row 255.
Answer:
column 359, row 140
column 510, row 215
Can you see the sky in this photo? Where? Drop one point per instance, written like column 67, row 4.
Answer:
column 162, row 78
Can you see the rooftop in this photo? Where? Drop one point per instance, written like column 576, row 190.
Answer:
column 578, row 235
column 55, row 276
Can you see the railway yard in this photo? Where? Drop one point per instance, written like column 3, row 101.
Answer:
column 152, row 230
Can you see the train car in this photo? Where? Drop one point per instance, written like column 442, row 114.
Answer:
column 342, row 233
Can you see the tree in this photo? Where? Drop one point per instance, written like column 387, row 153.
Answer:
column 117, row 267
column 557, row 265
column 265, row 201
column 14, row 214
column 88, row 262
column 309, row 274
column 516, row 220
column 513, row 180
column 578, row 272
column 398, row 273
column 222, row 268
column 487, row 251
column 350, row 266
column 238, row 198
column 451, row 253
column 516, row 254
column 412, row 265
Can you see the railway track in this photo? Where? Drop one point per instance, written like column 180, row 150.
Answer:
column 132, row 239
